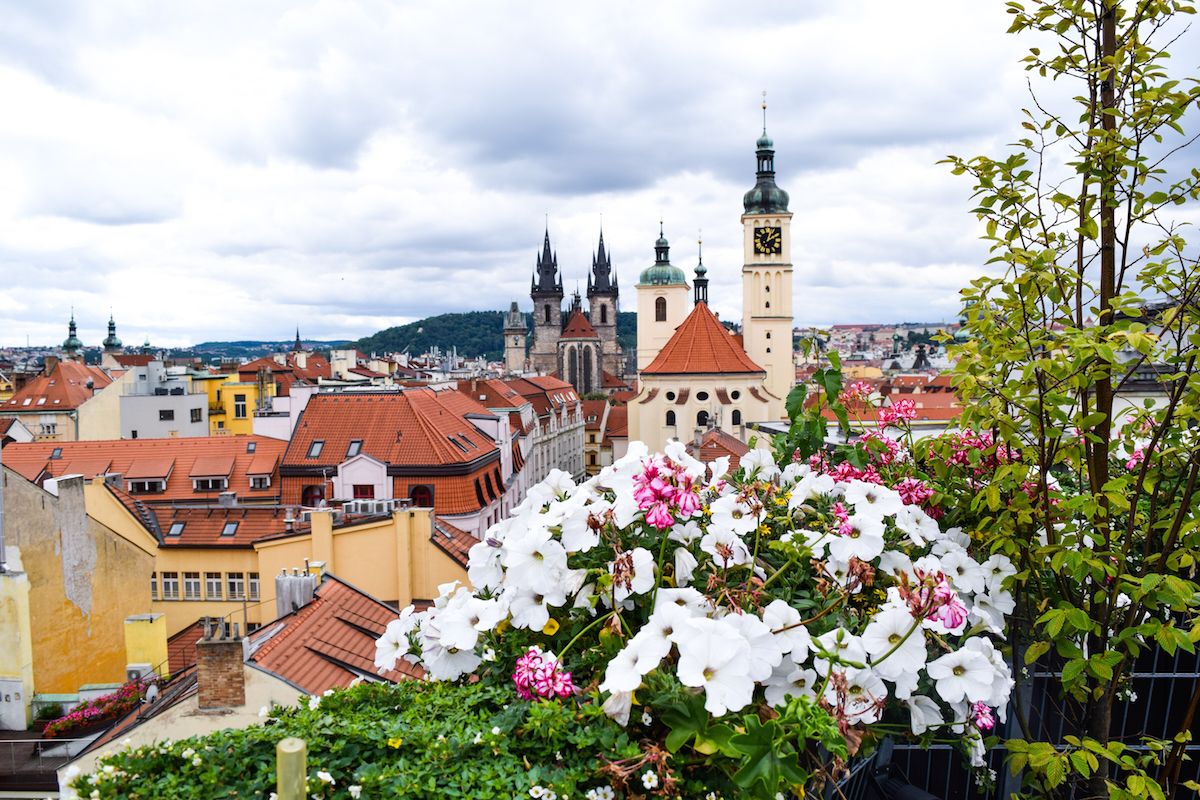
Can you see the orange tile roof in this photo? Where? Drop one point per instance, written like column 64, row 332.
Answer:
column 214, row 466
column 414, row 427
column 263, row 463
column 454, row 542
column 593, row 414
column 204, row 527
column 153, row 458
column 701, row 345
column 545, row 392
column 181, row 648
column 86, row 465
column 717, row 443
column 328, row 642
column 492, row 393
column 578, row 327
column 610, row 381
column 618, row 424
column 64, row 388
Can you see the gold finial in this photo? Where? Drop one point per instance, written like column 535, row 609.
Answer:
column 764, row 108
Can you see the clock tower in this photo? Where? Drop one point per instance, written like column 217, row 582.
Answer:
column 767, row 277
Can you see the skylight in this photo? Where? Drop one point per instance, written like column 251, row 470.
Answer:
column 230, row 529
column 314, row 449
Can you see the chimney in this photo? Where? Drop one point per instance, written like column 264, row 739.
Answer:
column 50, row 363
column 220, row 670
column 293, row 591
column 227, row 499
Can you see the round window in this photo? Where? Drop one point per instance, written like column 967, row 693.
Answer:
column 701, row 396
column 735, row 394
column 670, row 395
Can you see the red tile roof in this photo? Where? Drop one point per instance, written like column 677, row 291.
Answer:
column 618, row 424
column 328, row 642
column 63, row 389
column 152, row 459
column 593, row 414
column 492, row 393
column 414, row 427
column 716, row 443
column 545, row 392
column 204, row 527
column 701, row 345
column 181, row 648
column 214, row 466
column 454, row 542
column 578, row 327
column 610, row 381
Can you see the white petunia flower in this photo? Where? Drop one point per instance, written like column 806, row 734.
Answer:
column 886, row 636
column 484, row 568
column 640, row 579
column 865, row 695
column 796, row 640
column 924, row 714
column 766, row 649
column 355, row 791
column 325, row 777
column 864, row 541
column 842, row 644
column 535, row 561
column 996, row 570
column 714, row 656
column 394, row 642
column 730, row 514
column 789, row 680
column 872, row 500
column 685, row 532
column 759, row 464
column 685, row 566
column 990, row 610
column 809, row 486
column 726, row 547
column 617, row 707
column 962, row 673
column 964, row 572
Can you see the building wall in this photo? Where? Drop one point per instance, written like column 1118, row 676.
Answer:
column 100, row 417
column 362, row 471
column 648, row 418
column 16, row 644
column 652, row 334
column 767, row 313
column 141, row 416
column 181, row 613
column 222, row 404
column 85, row 579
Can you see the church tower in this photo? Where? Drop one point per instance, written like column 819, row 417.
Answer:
column 603, row 305
column 514, row 340
column 767, row 276
column 662, row 302
column 72, row 345
column 547, row 295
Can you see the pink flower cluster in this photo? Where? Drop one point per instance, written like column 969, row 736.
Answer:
column 934, row 598
column 891, row 452
column 913, row 491
column 842, row 516
column 984, row 719
column 539, row 674
column 102, row 709
column 858, row 393
column 899, row 411
column 990, row 455
column 1137, row 457
column 662, row 488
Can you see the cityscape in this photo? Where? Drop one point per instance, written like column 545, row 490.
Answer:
column 627, row 507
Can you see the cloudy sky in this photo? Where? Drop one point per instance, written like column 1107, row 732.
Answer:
column 228, row 170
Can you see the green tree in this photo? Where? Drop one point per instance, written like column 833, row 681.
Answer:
column 1092, row 290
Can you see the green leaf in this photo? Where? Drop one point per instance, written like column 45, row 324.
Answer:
column 769, row 762
column 795, row 401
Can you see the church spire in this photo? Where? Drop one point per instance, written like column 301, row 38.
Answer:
column 600, row 279
column 701, row 280
column 765, row 197
column 72, row 345
column 546, row 277
column 111, row 343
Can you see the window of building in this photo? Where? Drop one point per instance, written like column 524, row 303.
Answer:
column 592, row 459
column 48, row 428
column 364, row 491
column 768, row 334
column 176, row 529
column 212, row 586
column 210, row 484
column 239, row 406
column 56, row 453
column 487, row 480
column 735, row 394
column 153, row 585
column 235, row 585
column 603, row 313
column 591, row 438
column 702, row 419
column 354, row 449
column 251, row 447
column 768, row 304
column 133, row 434
column 546, row 316
column 314, row 449
column 737, row 417
column 660, row 309
column 197, row 415
column 312, row 495
column 230, row 529
column 147, row 487
column 170, row 586
column 768, row 288
column 479, row 494
column 252, row 585
column 768, row 349
column 166, row 414
column 191, row 586
column 701, row 396
column 670, row 395
column 670, row 417
column 220, row 424
column 260, row 482
column 421, row 496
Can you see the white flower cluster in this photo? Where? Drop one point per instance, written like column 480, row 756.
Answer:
column 926, row 644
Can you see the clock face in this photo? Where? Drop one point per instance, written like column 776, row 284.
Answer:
column 768, row 241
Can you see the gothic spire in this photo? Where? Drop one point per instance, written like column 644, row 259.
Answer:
column 600, row 279
column 546, row 277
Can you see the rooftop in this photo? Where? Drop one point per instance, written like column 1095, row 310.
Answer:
column 701, row 345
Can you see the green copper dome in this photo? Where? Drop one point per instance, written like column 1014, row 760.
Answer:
column 112, row 342
column 662, row 273
column 765, row 197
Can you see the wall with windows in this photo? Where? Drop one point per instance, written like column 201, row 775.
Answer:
column 674, row 406
column 231, row 403
column 149, row 416
column 185, row 579
column 362, row 478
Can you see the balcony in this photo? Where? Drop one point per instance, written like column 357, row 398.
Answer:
column 215, row 410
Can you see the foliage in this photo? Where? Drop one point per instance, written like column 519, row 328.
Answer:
column 49, row 711
column 93, row 713
column 412, row 740
column 765, row 624
column 1093, row 297
column 474, row 333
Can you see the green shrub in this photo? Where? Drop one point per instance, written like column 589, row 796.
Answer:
column 414, row 740
column 49, row 711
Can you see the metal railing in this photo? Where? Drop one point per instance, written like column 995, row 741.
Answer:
column 19, row 756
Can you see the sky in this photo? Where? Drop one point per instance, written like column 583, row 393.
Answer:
column 230, row 170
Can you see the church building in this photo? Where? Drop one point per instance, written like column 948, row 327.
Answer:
column 581, row 346
column 702, row 376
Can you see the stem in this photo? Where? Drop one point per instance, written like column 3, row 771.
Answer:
column 662, row 551
column 587, row 628
column 778, row 572
column 896, row 646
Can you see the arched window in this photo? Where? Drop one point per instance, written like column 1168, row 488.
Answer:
column 768, row 304
column 603, row 313
column 768, row 334
column 547, row 313
column 670, row 417
column 573, row 367
column 702, row 419
column 736, row 417
column 660, row 310
column 587, row 371
column 421, row 496
column 312, row 495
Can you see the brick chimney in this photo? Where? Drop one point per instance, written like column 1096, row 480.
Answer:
column 220, row 670
column 49, row 364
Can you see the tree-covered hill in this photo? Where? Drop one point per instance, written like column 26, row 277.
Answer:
column 473, row 333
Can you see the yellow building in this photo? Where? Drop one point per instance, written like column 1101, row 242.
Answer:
column 89, row 564
column 232, row 401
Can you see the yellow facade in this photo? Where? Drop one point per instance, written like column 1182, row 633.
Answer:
column 6, row 387
column 146, row 641
column 232, row 402
column 16, row 637
column 87, row 574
